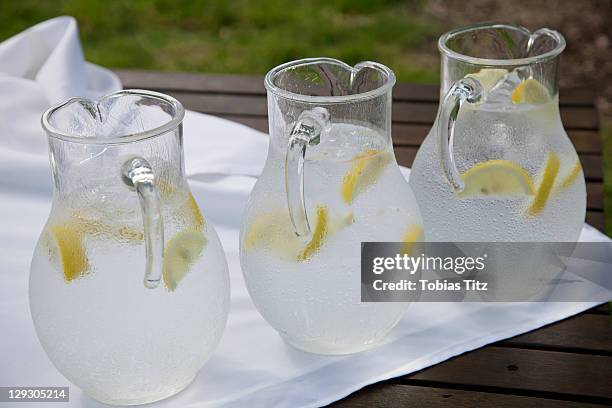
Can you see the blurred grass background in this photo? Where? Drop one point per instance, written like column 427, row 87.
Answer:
column 250, row 37
column 242, row 36
column 237, row 36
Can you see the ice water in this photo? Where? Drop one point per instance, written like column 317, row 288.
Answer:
column 313, row 297
column 121, row 342
column 527, row 134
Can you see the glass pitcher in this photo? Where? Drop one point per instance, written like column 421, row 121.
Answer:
column 330, row 182
column 497, row 164
column 129, row 288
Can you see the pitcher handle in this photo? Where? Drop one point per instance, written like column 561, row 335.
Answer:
column 138, row 174
column 466, row 89
column 306, row 132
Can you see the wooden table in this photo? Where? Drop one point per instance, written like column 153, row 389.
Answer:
column 565, row 364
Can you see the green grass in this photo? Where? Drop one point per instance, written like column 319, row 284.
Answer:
column 217, row 36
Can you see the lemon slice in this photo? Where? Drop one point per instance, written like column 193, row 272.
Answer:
column 488, row 77
column 366, row 169
column 551, row 169
column 269, row 230
column 66, row 244
column 571, row 177
column 412, row 235
column 180, row 253
column 530, row 91
column 273, row 231
column 318, row 235
column 503, row 178
column 195, row 212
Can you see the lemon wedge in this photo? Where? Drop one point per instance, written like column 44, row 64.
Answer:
column 488, row 77
column 66, row 244
column 569, row 179
column 502, row 178
column 367, row 167
column 412, row 235
column 551, row 169
column 181, row 252
column 530, row 91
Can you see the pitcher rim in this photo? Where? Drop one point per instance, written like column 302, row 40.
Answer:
column 283, row 93
column 168, row 126
column 443, row 48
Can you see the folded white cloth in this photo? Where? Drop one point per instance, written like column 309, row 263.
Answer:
column 44, row 66
column 252, row 366
column 39, row 67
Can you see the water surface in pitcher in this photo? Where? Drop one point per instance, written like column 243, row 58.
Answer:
column 354, row 192
column 523, row 179
column 122, row 342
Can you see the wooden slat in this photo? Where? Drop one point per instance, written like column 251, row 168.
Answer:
column 603, row 309
column 586, row 141
column 595, row 194
column 251, row 105
column 591, row 165
column 568, row 374
column 579, row 117
column 253, row 84
column 387, row 395
column 577, row 96
column 596, row 219
column 256, row 122
column 192, row 82
column 585, row 333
